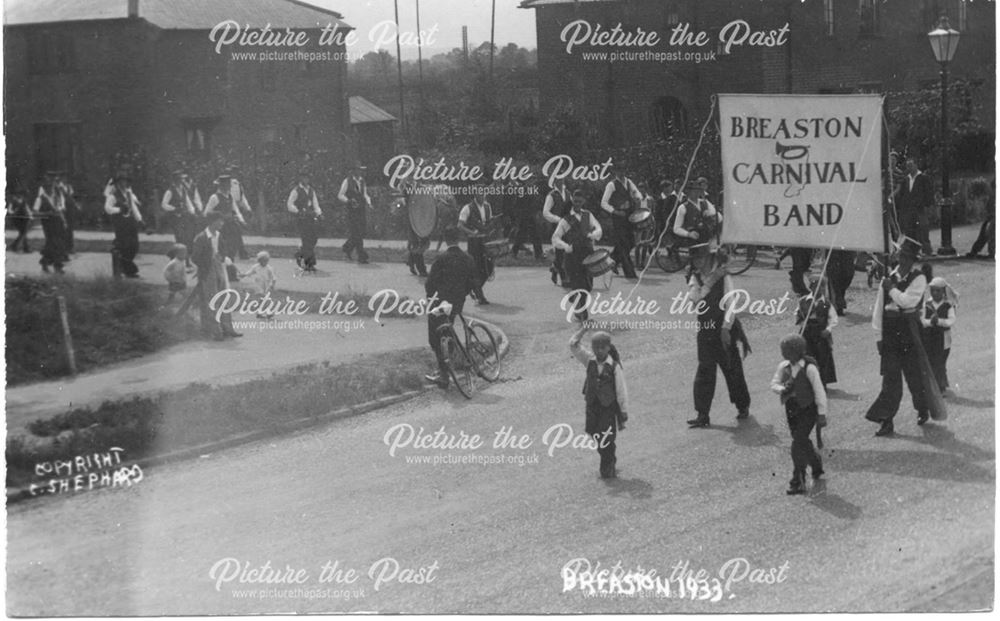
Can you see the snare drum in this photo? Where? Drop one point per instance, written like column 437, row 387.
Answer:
column 599, row 262
column 496, row 249
column 642, row 219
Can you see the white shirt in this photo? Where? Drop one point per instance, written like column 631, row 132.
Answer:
column 557, row 238
column 55, row 199
column 168, row 196
column 111, row 206
column 609, row 189
column 910, row 298
column 912, row 179
column 584, row 356
column 812, row 373
column 294, row 196
column 696, row 292
column 484, row 210
column 707, row 209
column 550, row 203
column 213, row 203
column 943, row 322
column 239, row 196
column 359, row 182
column 831, row 315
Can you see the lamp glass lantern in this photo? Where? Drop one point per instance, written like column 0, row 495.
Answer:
column 944, row 41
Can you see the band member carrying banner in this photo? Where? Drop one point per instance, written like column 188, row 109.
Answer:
column 476, row 220
column 302, row 202
column 897, row 307
column 354, row 194
column 620, row 196
column 126, row 220
column 575, row 236
column 556, row 207
column 51, row 210
column 181, row 210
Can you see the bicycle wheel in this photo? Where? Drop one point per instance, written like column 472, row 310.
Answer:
column 482, row 348
column 740, row 258
column 669, row 259
column 457, row 362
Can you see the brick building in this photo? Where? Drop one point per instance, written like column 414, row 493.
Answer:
column 833, row 46
column 88, row 79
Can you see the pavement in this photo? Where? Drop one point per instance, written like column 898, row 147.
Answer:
column 451, row 525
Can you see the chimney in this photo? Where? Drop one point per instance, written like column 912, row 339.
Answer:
column 133, row 9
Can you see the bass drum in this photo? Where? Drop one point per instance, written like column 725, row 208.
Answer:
column 421, row 206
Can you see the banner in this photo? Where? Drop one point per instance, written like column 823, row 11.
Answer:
column 802, row 170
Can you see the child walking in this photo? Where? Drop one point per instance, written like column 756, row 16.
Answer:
column 605, row 395
column 262, row 278
column 797, row 381
column 937, row 318
column 174, row 273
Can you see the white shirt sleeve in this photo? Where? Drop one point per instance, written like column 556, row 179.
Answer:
column 580, row 351
column 463, row 215
column 557, row 237
column 606, row 199
column 213, row 202
column 679, row 213
column 949, row 321
column 819, row 392
column 621, row 389
column 596, row 232
column 727, row 286
column 776, row 384
column 831, row 318
column 547, row 210
column 292, row 197
column 342, row 195
column 110, row 207
column 911, row 297
column 165, row 202
column 315, row 204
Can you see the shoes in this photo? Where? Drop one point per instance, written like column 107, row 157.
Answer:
column 886, row 429
column 700, row 421
column 483, row 301
column 795, row 486
column 437, row 378
column 743, row 413
column 922, row 417
column 362, row 260
column 554, row 274
column 817, row 470
column 132, row 276
column 413, row 268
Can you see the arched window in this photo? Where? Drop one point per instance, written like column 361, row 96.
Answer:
column 669, row 118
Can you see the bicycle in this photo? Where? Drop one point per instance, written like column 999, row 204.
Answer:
column 673, row 257
column 475, row 355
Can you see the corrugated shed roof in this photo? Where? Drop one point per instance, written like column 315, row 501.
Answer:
column 364, row 111
column 175, row 14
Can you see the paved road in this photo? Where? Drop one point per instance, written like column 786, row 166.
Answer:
column 902, row 523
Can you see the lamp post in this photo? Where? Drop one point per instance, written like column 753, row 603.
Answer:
column 944, row 41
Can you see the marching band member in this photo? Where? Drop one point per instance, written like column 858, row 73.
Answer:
column 718, row 333
column 937, row 319
column 302, row 202
column 896, row 308
column 697, row 219
column 820, row 318
column 617, row 201
column 354, row 194
column 230, row 239
column 475, row 220
column 123, row 207
column 575, row 236
column 605, row 395
column 71, row 208
column 51, row 209
column 242, row 205
column 557, row 205
column 178, row 203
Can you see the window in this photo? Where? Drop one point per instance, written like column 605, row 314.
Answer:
column 49, row 52
column 828, row 17
column 57, row 147
column 669, row 118
column 868, row 12
column 198, row 135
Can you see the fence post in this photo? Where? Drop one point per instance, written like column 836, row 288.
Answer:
column 67, row 338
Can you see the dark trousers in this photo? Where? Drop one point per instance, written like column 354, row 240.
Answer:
column 476, row 247
column 416, row 246
column 434, row 322
column 913, row 221
column 71, row 214
column 230, row 239
column 801, row 422
column 987, row 237
column 357, row 222
column 21, row 225
column 623, row 240
column 711, row 356
column 801, row 261
column 54, row 251
column 578, row 278
column 308, row 237
column 125, row 247
column 899, row 361
column 527, row 230
column 558, row 266
column 937, row 355
column 209, row 325
column 185, row 228
column 840, row 271
column 602, row 426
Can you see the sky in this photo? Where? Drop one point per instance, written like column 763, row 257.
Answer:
column 512, row 24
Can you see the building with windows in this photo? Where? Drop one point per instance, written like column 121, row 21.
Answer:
column 89, row 79
column 832, row 46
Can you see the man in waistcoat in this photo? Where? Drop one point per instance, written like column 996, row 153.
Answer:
column 354, row 195
column 181, row 211
column 51, row 210
column 475, row 220
column 303, row 202
column 126, row 220
column 620, row 196
column 556, row 207
column 575, row 236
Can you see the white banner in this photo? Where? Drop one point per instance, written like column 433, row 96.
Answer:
column 802, row 170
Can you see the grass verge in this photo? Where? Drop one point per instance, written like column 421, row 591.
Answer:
column 200, row 414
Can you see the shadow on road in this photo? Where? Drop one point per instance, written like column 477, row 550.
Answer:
column 918, row 464
column 944, row 439
column 840, row 395
column 979, row 404
column 832, row 503
column 499, row 309
column 748, row 432
column 857, row 319
column 633, row 488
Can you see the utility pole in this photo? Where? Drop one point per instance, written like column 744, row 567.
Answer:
column 399, row 71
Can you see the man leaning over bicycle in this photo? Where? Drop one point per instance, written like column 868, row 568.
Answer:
column 452, row 277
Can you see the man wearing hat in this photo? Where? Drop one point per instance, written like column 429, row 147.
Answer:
column 302, row 202
column 475, row 220
column 897, row 306
column 71, row 208
column 619, row 196
column 719, row 331
column 558, row 203
column 230, row 238
column 915, row 197
column 354, row 194
column 452, row 278
column 51, row 209
column 697, row 219
column 20, row 216
column 123, row 207
column 181, row 210
column 239, row 195
column 575, row 236
column 212, row 277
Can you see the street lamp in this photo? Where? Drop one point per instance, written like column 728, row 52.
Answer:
column 944, row 41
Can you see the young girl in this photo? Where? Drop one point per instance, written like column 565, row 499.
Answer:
column 802, row 393
column 262, row 278
column 605, row 395
column 820, row 318
column 174, row 273
column 937, row 318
